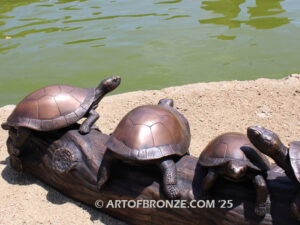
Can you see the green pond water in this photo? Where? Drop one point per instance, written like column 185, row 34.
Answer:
column 150, row 43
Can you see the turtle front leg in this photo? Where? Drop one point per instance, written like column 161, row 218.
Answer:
column 92, row 117
column 14, row 153
column 22, row 136
column 208, row 182
column 105, row 169
column 168, row 168
column 15, row 142
column 19, row 135
column 262, row 205
column 295, row 206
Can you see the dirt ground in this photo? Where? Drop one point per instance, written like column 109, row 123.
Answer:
column 211, row 108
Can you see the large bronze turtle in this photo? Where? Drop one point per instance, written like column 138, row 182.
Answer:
column 288, row 159
column 155, row 134
column 233, row 157
column 54, row 107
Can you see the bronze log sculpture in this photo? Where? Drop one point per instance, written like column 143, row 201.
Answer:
column 288, row 159
column 150, row 134
column 69, row 161
column 76, row 159
column 232, row 156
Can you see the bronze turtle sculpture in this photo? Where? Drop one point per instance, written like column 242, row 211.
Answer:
column 233, row 157
column 55, row 107
column 153, row 134
column 288, row 159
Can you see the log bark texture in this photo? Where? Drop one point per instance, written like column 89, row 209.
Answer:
column 69, row 162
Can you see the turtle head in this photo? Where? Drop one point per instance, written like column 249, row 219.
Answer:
column 110, row 83
column 236, row 169
column 265, row 140
column 106, row 86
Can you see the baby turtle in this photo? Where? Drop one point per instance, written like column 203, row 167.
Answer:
column 54, row 107
column 288, row 159
column 233, row 157
column 58, row 106
column 153, row 134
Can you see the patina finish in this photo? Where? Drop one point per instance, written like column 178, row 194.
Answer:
column 53, row 108
column 233, row 157
column 59, row 106
column 154, row 134
column 288, row 159
column 69, row 161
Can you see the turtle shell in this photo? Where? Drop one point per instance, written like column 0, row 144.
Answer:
column 150, row 132
column 233, row 146
column 52, row 107
column 294, row 155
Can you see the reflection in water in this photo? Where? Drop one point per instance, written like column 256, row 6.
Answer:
column 7, row 6
column 169, row 2
column 259, row 15
column 229, row 9
column 83, row 41
column 114, row 17
column 266, row 8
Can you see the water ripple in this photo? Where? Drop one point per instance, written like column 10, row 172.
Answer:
column 114, row 17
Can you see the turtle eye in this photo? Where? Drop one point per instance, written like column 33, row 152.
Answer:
column 268, row 139
column 256, row 133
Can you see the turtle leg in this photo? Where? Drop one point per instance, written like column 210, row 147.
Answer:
column 92, row 117
column 168, row 168
column 19, row 135
column 14, row 153
column 262, row 205
column 22, row 136
column 105, row 168
column 295, row 206
column 16, row 140
column 208, row 181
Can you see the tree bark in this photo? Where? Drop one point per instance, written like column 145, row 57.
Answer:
column 69, row 162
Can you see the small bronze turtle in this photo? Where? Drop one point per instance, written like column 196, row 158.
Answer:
column 288, row 159
column 153, row 134
column 233, row 157
column 54, row 107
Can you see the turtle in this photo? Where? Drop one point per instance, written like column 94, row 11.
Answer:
column 55, row 107
column 288, row 158
column 233, row 157
column 149, row 134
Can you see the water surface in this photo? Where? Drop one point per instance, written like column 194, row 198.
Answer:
column 152, row 44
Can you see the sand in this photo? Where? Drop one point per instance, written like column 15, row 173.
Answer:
column 211, row 108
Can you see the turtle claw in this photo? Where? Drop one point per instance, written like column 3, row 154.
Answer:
column 84, row 129
column 12, row 150
column 262, row 208
column 100, row 184
column 172, row 191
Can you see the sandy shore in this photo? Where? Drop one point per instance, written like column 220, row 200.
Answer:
column 211, row 108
